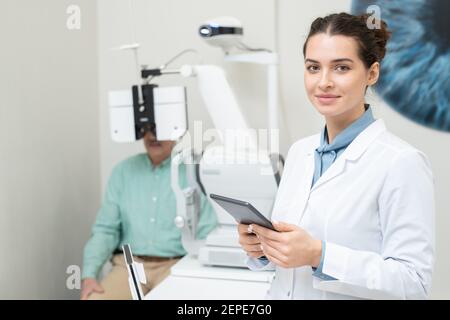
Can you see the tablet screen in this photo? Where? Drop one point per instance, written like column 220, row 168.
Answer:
column 242, row 212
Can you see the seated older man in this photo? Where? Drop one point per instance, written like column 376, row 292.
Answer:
column 139, row 208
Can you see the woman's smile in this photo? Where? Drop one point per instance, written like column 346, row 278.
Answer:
column 327, row 99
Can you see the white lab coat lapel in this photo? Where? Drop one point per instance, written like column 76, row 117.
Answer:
column 353, row 152
column 305, row 188
column 333, row 171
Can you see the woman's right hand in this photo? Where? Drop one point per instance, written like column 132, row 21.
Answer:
column 249, row 241
column 88, row 286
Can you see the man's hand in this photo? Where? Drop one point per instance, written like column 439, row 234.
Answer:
column 88, row 286
column 249, row 241
column 290, row 247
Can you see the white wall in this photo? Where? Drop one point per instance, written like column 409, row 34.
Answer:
column 49, row 159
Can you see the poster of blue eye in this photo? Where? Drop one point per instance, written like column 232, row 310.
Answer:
column 415, row 73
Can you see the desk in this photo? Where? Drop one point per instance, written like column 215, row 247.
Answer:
column 189, row 279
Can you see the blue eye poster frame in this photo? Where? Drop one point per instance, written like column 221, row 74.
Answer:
column 415, row 73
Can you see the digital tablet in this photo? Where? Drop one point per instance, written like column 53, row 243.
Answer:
column 242, row 212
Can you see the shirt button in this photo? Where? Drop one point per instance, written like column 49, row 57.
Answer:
column 152, row 220
column 154, row 199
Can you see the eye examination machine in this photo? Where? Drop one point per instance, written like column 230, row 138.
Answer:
column 237, row 167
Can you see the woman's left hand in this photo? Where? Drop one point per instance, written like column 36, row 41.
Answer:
column 290, row 247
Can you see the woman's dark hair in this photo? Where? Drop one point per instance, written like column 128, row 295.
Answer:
column 371, row 42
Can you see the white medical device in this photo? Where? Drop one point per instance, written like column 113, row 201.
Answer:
column 245, row 171
column 136, row 273
column 225, row 32
column 148, row 108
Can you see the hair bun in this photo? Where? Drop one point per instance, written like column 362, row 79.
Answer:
column 380, row 32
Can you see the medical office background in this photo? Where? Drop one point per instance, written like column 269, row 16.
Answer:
column 55, row 147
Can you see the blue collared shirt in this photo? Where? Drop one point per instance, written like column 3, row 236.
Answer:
column 326, row 154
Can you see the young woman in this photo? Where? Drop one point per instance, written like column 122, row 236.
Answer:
column 355, row 207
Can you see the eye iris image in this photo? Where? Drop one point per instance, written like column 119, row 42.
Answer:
column 415, row 72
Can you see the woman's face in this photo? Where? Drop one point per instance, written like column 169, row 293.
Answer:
column 335, row 76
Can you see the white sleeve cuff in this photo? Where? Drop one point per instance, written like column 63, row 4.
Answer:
column 336, row 261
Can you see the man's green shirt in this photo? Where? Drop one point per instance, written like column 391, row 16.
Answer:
column 139, row 208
